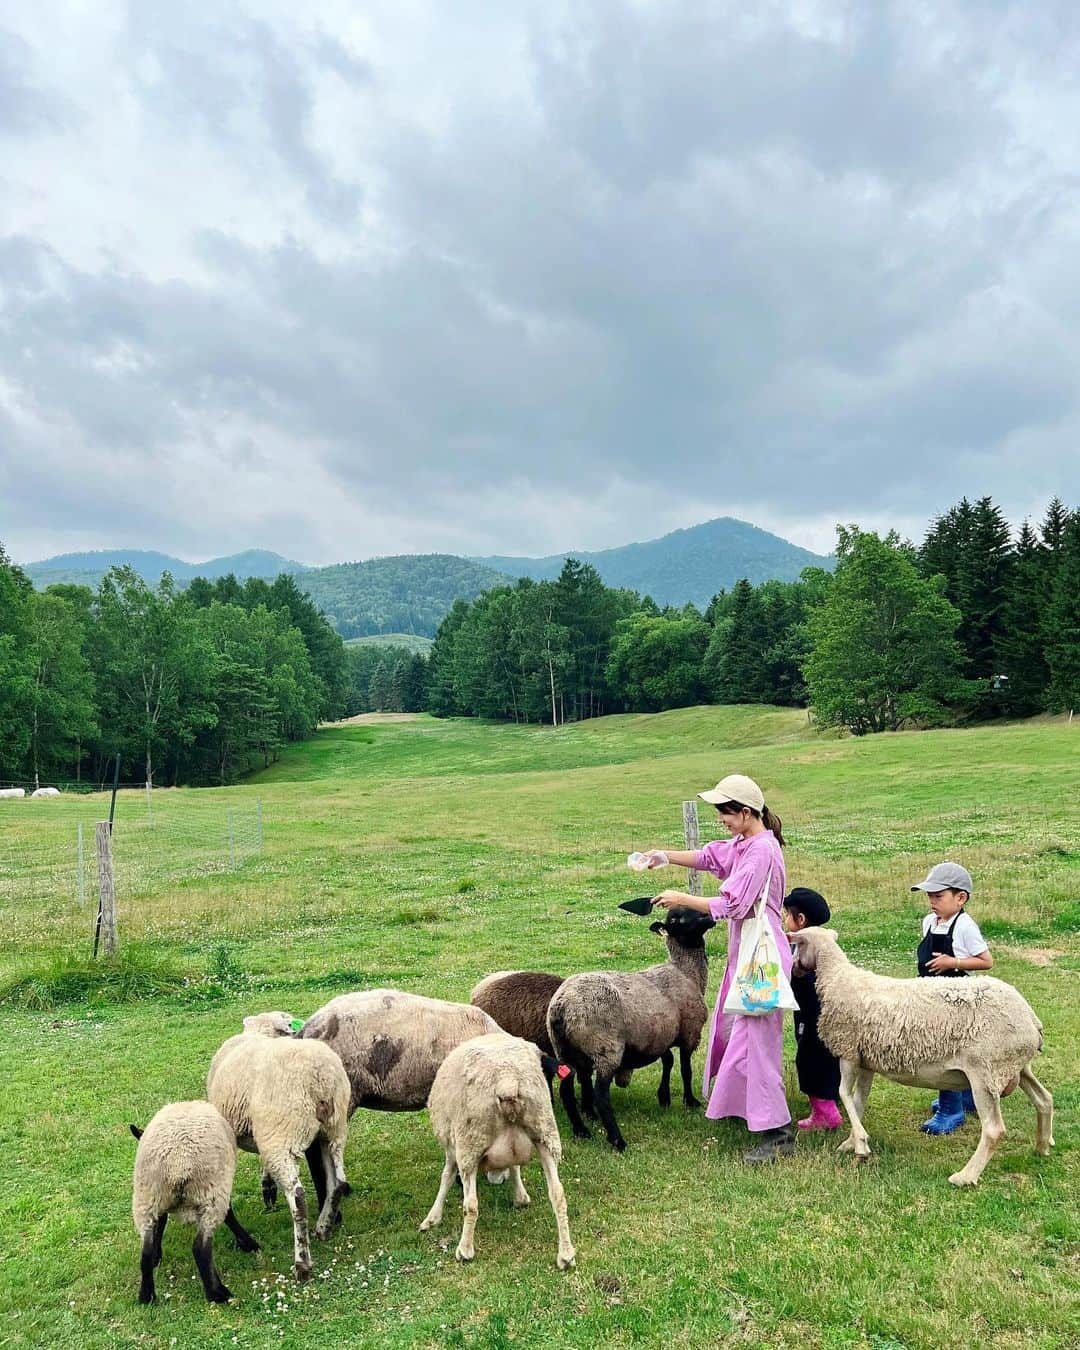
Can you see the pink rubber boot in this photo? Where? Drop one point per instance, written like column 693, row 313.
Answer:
column 823, row 1116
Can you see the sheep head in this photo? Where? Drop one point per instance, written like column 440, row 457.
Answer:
column 808, row 945
column 685, row 926
column 271, row 1024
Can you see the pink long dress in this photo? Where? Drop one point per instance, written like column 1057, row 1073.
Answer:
column 743, row 1064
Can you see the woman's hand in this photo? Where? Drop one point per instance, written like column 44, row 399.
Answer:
column 655, row 857
column 670, row 899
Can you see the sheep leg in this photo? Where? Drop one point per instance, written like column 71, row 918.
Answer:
column 569, row 1101
column 854, row 1090
column 449, row 1172
column 1043, row 1103
column 333, row 1161
column 269, row 1191
column 286, row 1173
column 988, row 1104
column 607, row 1115
column 686, row 1069
column 520, row 1198
column 244, row 1240
column 588, row 1105
column 316, row 1161
column 557, row 1196
column 663, row 1095
column 159, row 1233
column 465, row 1249
column 203, row 1251
column 147, row 1262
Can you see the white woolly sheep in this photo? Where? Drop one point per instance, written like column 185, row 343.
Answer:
column 978, row 1032
column 518, row 1000
column 613, row 1022
column 184, row 1166
column 490, row 1108
column 392, row 1043
column 287, row 1099
column 45, row 792
column 13, row 793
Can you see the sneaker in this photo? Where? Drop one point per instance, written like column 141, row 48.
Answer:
column 823, row 1116
column 772, row 1144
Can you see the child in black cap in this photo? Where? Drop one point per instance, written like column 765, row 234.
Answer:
column 817, row 1067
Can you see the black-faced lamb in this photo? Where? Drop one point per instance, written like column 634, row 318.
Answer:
column 184, row 1166
column 286, row 1099
column 392, row 1043
column 518, row 1000
column 490, row 1108
column 978, row 1032
column 612, row 1022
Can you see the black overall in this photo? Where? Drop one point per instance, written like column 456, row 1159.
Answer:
column 817, row 1067
column 937, row 944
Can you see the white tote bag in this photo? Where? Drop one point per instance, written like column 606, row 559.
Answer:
column 759, row 985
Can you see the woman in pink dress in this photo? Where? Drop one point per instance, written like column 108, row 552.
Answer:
column 743, row 1073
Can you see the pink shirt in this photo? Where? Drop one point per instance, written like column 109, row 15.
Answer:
column 743, row 864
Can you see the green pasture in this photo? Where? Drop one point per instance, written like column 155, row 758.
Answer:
column 423, row 855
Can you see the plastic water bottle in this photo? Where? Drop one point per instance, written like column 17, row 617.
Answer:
column 638, row 862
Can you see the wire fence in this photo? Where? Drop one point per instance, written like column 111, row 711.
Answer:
column 164, row 843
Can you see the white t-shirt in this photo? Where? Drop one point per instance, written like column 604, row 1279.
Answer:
column 966, row 938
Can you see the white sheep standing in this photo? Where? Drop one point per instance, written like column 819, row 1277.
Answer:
column 287, row 1099
column 978, row 1032
column 490, row 1108
column 184, row 1166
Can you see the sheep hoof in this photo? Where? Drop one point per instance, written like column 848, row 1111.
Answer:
column 567, row 1262
column 464, row 1253
column 302, row 1273
column 962, row 1179
column 582, row 1133
column 618, row 1144
column 861, row 1158
column 845, row 1145
column 664, row 1098
column 691, row 1103
column 429, row 1222
column 220, row 1295
column 323, row 1230
column 522, row 1201
column 247, row 1244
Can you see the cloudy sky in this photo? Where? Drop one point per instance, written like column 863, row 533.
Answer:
column 344, row 280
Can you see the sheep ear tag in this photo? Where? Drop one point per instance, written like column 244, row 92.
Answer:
column 295, row 1024
column 642, row 905
column 563, row 1071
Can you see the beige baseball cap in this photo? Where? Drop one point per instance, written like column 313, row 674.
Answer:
column 736, row 787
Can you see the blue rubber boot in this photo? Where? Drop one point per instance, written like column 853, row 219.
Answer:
column 969, row 1103
column 948, row 1116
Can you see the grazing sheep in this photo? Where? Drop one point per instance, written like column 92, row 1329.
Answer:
column 45, row 792
column 392, row 1043
column 612, row 1022
column 518, row 1000
column 951, row 1034
column 14, row 793
column 287, row 1099
column 490, row 1108
column 184, row 1166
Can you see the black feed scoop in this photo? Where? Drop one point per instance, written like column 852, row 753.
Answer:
column 642, row 905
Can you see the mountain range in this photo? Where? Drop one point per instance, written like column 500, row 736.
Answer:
column 410, row 593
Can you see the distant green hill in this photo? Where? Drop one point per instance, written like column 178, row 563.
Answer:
column 406, row 594
column 686, row 565
column 87, row 569
column 412, row 642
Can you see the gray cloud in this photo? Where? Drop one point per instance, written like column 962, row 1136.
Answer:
column 343, row 286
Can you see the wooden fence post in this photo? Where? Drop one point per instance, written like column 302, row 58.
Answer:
column 106, row 889
column 690, row 833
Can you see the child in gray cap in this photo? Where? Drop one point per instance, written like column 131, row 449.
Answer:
column 951, row 946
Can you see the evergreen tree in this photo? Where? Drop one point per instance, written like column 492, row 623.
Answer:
column 62, row 713
column 15, row 679
column 1021, row 653
column 1062, row 626
column 884, row 651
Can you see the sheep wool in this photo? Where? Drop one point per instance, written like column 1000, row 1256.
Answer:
column 392, row 1043
column 490, row 1108
column 286, row 1099
column 184, row 1166
column 979, row 1032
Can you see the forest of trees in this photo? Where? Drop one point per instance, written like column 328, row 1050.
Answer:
column 193, row 686
column 971, row 623
column 199, row 686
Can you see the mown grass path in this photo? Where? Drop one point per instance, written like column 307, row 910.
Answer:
column 424, row 855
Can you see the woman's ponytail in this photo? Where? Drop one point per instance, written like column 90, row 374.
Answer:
column 772, row 821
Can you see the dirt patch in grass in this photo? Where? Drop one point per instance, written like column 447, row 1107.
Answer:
column 1035, row 956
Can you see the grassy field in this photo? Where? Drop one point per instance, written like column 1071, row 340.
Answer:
column 425, row 854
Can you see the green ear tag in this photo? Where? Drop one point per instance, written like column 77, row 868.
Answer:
column 295, row 1024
